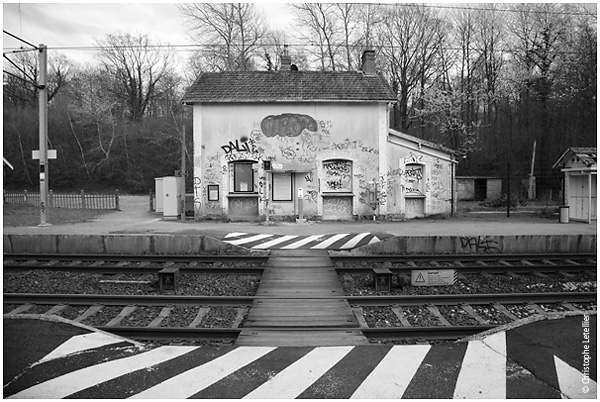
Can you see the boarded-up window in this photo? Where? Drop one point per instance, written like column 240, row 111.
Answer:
column 282, row 187
column 337, row 176
column 414, row 183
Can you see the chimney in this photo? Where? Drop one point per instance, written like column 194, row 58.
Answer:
column 286, row 60
column 368, row 62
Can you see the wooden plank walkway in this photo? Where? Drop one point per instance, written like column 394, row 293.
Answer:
column 295, row 310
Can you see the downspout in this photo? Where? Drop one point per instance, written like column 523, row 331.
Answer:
column 452, row 189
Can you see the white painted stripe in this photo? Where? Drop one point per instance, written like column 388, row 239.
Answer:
column 80, row 343
column 570, row 381
column 235, row 234
column 354, row 241
column 374, row 240
column 248, row 239
column 392, row 375
column 302, row 242
column 483, row 371
column 275, row 242
column 294, row 379
column 75, row 381
column 330, row 241
column 195, row 380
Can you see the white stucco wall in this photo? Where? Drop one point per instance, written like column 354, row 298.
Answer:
column 420, row 180
column 348, row 131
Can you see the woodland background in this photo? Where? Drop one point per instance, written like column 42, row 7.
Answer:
column 484, row 79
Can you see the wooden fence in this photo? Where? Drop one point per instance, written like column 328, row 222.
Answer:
column 75, row 201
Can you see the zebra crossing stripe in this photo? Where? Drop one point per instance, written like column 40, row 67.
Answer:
column 275, row 242
column 248, row 239
column 236, row 234
column 298, row 376
column 570, row 382
column 354, row 241
column 483, row 370
column 302, row 242
column 391, row 377
column 75, row 381
column 329, row 241
column 192, row 381
column 80, row 343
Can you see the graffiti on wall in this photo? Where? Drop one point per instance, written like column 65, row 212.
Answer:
column 197, row 195
column 287, row 125
column 413, row 177
column 412, row 158
column 480, row 244
column 337, row 206
column 437, row 184
column 338, row 175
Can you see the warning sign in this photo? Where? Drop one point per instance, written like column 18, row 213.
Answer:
column 432, row 277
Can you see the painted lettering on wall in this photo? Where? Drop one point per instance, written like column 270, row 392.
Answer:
column 287, row 125
column 338, row 175
column 412, row 158
column 413, row 176
column 197, row 195
column 480, row 244
column 237, row 147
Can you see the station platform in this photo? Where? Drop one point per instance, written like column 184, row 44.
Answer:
column 135, row 229
column 551, row 356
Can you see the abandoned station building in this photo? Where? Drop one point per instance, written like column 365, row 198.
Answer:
column 265, row 140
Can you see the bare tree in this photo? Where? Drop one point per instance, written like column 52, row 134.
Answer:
column 410, row 39
column 350, row 27
column 321, row 30
column 20, row 85
column 232, row 30
column 138, row 69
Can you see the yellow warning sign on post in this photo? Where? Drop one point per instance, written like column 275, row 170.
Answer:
column 432, row 277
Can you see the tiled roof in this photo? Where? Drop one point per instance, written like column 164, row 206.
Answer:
column 288, row 86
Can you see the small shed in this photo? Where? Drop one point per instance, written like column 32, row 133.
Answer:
column 478, row 188
column 579, row 182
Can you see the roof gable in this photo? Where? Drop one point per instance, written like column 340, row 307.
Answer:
column 583, row 155
column 289, row 86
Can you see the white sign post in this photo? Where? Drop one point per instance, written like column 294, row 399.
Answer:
column 300, row 206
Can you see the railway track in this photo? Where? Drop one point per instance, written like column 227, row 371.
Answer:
column 414, row 316
column 463, row 263
column 163, row 307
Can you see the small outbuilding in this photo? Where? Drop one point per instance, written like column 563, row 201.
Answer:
column 579, row 182
column 478, row 188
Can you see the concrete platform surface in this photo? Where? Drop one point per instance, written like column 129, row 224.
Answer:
column 553, row 357
column 135, row 218
column 134, row 229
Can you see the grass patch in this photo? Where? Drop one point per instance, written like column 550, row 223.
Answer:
column 16, row 215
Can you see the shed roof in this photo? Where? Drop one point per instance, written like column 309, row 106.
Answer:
column 586, row 155
column 289, row 86
column 426, row 143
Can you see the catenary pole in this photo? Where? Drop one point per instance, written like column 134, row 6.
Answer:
column 43, row 128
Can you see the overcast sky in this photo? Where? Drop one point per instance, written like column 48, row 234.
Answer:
column 63, row 26
column 66, row 25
